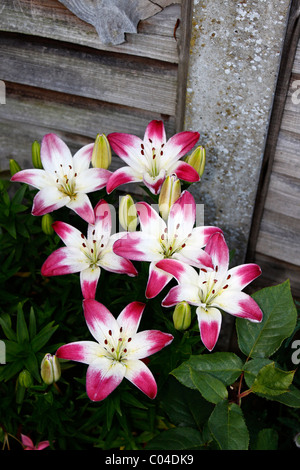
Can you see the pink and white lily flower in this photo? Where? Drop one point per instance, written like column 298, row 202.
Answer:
column 118, row 352
column 152, row 159
column 64, row 180
column 177, row 238
column 213, row 289
column 87, row 254
column 29, row 445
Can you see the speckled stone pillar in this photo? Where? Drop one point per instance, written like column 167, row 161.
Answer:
column 234, row 60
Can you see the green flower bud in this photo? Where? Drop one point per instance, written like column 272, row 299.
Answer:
column 36, row 155
column 50, row 369
column 128, row 214
column 25, row 379
column 182, row 316
column 101, row 157
column 14, row 166
column 46, row 223
column 197, row 160
column 169, row 193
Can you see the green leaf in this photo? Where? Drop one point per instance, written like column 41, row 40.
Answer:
column 32, row 365
column 212, row 389
column 6, row 326
column 22, row 330
column 272, row 381
column 267, row 439
column 252, row 368
column 181, row 438
column 290, row 398
column 278, row 323
column 43, row 336
column 224, row 366
column 227, row 426
column 32, row 324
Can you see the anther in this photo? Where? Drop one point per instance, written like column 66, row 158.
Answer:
column 213, row 291
column 105, row 341
column 125, row 350
column 84, row 245
column 129, row 339
column 204, row 270
column 70, row 167
column 110, row 332
column 225, row 287
column 82, row 236
column 75, row 174
column 92, row 251
column 182, row 246
column 217, row 269
column 177, row 226
column 229, row 276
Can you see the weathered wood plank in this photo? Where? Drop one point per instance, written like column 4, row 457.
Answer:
column 113, row 78
column 51, row 19
column 287, row 155
column 284, row 196
column 275, row 272
column 279, row 237
column 30, row 113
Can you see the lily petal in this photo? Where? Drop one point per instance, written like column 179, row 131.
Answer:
column 239, row 304
column 184, row 273
column 117, row 264
column 184, row 292
column 83, row 207
column 242, row 275
column 47, row 200
column 121, row 176
column 80, row 351
column 64, row 260
column 138, row 246
column 92, row 179
column 36, row 177
column 154, row 183
column 209, row 326
column 139, row 374
column 155, row 133
column 146, row 343
column 102, row 377
column 157, row 280
column 128, row 148
column 182, row 216
column 88, row 281
column 99, row 319
column 54, row 152
column 130, row 317
column 150, row 220
column 217, row 248
column 82, row 158
column 70, row 235
column 185, row 172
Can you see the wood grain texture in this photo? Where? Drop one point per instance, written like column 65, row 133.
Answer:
column 51, row 19
column 106, row 77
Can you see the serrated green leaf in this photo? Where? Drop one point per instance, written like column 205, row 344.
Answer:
column 278, row 323
column 224, row 366
column 252, row 368
column 272, row 381
column 290, row 398
column 181, row 438
column 227, row 426
column 212, row 389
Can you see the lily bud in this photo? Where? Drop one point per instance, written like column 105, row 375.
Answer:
column 36, row 155
column 101, row 157
column 170, row 192
column 46, row 223
column 182, row 316
column 50, row 369
column 25, row 379
column 128, row 214
column 13, row 166
column 197, row 160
